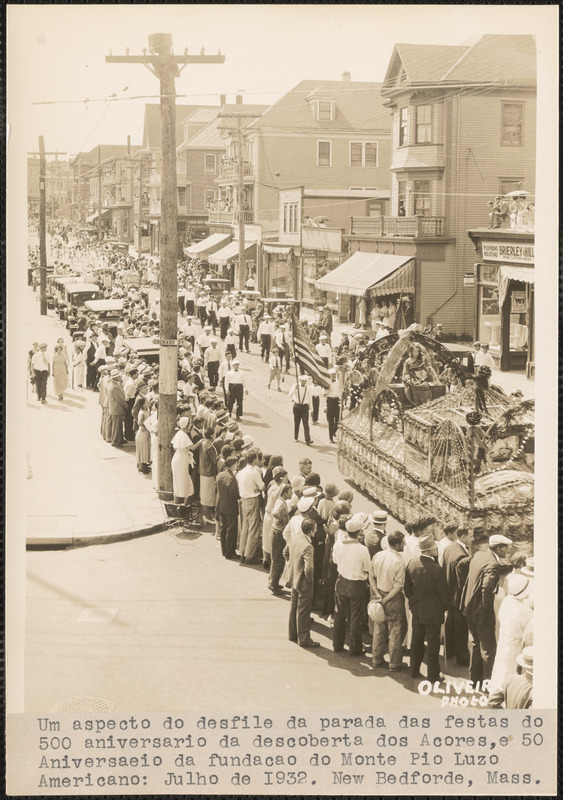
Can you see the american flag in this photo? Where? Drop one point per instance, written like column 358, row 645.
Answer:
column 307, row 357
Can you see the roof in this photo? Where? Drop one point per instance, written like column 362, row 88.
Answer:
column 347, row 194
column 361, row 272
column 151, row 125
column 503, row 58
column 204, row 114
column 210, row 137
column 106, row 151
column 359, row 106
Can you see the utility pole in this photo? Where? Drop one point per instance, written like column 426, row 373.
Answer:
column 42, row 225
column 164, row 64
column 99, row 194
column 239, row 281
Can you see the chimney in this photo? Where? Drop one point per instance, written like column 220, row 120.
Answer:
column 346, row 76
column 222, row 99
column 239, row 99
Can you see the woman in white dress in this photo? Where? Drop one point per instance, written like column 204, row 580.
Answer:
column 514, row 614
column 143, row 440
column 181, row 461
column 59, row 371
column 151, row 424
column 79, row 363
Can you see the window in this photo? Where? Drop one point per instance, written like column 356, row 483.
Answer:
column 423, row 124
column 363, row 154
column 510, row 185
column 511, row 130
column 210, row 164
column 324, row 110
column 182, row 196
column 402, row 198
column 403, row 126
column 324, row 154
column 421, row 198
column 290, row 217
column 209, row 197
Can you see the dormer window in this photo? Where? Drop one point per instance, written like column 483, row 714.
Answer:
column 325, row 109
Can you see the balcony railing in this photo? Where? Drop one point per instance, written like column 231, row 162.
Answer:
column 414, row 227
column 154, row 179
column 231, row 170
column 231, row 217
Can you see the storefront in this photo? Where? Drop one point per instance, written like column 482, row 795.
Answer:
column 370, row 286
column 504, row 301
column 278, row 269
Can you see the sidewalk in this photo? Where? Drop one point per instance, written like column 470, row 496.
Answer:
column 81, row 490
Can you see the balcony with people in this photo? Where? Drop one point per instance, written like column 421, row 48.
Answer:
column 416, row 227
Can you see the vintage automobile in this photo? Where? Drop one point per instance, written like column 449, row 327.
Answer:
column 144, row 347
column 108, row 311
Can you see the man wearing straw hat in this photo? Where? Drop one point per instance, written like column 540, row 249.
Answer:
column 516, row 691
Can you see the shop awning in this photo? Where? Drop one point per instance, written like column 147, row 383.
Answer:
column 379, row 272
column 93, row 217
column 229, row 253
column 272, row 247
column 209, row 245
column 507, row 274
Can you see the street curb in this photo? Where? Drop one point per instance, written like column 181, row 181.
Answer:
column 85, row 541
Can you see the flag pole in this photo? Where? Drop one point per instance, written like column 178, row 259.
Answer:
column 293, row 321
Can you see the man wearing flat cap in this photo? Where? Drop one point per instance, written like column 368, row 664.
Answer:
column 477, row 602
column 117, row 408
column 427, row 593
column 353, row 565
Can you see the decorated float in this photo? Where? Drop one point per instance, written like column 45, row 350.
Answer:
column 423, row 437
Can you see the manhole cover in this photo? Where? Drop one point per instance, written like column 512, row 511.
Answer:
column 85, row 704
column 97, row 615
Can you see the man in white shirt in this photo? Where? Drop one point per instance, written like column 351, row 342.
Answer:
column 212, row 309
column 387, row 580
column 324, row 350
column 483, row 358
column 211, row 361
column 41, row 370
column 283, row 345
column 352, row 561
column 204, row 340
column 250, row 487
column 265, row 333
column 450, row 536
column 224, row 315
column 244, row 322
column 300, row 395
column 275, row 369
column 235, row 388
column 224, row 367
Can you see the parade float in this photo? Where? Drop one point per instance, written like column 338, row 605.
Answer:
column 424, row 437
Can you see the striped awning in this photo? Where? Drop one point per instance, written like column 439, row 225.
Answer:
column 507, row 274
column 208, row 245
column 379, row 273
column 272, row 247
column 230, row 252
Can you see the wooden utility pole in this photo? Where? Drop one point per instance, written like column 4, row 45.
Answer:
column 237, row 132
column 162, row 63
column 42, row 231
column 42, row 223
column 99, row 194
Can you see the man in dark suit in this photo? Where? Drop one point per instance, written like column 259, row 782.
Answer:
column 299, row 555
column 485, row 571
column 456, row 558
column 227, row 508
column 90, row 361
column 427, row 593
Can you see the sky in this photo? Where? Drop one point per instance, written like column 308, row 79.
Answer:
column 56, row 54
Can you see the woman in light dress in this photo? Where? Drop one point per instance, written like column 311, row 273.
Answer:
column 181, row 461
column 143, row 440
column 59, row 371
column 79, row 363
column 514, row 615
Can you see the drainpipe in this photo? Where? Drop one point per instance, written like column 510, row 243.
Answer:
column 453, row 294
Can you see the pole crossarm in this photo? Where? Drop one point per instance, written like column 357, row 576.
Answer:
column 157, row 61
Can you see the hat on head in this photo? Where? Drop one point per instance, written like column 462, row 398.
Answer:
column 496, row 539
column 35, row 344
column 115, row 373
column 122, row 361
column 528, row 569
column 302, row 377
column 526, row 659
column 213, row 339
column 311, row 491
column 277, row 470
column 207, row 328
column 305, row 504
column 476, row 344
column 235, row 361
column 43, row 344
column 331, row 490
column 248, row 440
column 183, row 422
column 323, row 336
column 297, row 483
column 517, row 585
column 355, row 523
column 426, row 543
column 379, row 517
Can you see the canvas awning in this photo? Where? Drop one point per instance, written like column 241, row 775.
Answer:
column 209, row 245
column 230, row 252
column 93, row 217
column 379, row 272
column 272, row 247
column 507, row 274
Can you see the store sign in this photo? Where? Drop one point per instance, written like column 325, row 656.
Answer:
column 518, row 303
column 518, row 253
column 469, row 279
column 308, row 253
